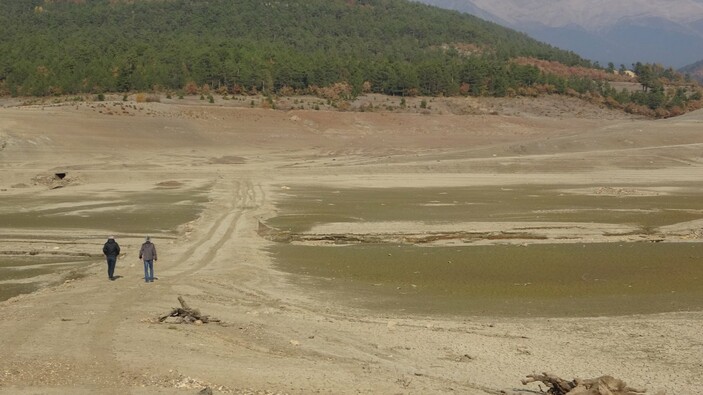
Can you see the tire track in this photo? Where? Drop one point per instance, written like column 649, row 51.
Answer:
column 203, row 252
column 200, row 254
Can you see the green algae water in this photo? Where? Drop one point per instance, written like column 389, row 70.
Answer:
column 138, row 212
column 505, row 280
column 499, row 280
column 303, row 207
column 19, row 274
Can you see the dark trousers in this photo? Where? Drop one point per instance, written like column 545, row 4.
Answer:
column 111, row 262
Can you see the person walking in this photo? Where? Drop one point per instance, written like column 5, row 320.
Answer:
column 111, row 250
column 148, row 254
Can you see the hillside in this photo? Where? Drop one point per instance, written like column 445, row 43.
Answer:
column 332, row 49
column 395, row 45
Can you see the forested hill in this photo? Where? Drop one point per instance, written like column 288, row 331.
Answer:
column 396, row 47
column 390, row 46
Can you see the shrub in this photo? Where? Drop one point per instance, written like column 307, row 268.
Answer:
column 191, row 88
column 676, row 111
column 638, row 109
column 612, row 102
column 661, row 113
column 337, row 91
column 53, row 91
column 343, row 105
column 286, row 91
column 695, row 105
column 4, row 90
column 528, row 91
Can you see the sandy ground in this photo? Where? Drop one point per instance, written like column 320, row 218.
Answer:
column 88, row 335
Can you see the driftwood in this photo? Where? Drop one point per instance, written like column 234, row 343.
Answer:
column 187, row 315
column 604, row 385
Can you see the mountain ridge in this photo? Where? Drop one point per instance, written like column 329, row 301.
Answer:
column 695, row 70
column 668, row 32
column 593, row 15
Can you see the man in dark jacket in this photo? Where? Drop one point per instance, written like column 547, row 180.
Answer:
column 148, row 254
column 111, row 250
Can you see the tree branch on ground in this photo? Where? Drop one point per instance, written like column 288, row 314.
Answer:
column 187, row 315
column 604, row 385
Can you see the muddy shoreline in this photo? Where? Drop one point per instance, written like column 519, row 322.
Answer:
column 285, row 333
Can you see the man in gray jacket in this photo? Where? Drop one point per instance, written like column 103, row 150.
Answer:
column 148, row 254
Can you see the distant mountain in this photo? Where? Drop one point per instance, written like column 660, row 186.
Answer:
column 669, row 32
column 695, row 70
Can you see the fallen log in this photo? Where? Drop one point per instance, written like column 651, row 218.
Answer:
column 604, row 385
column 187, row 315
column 556, row 385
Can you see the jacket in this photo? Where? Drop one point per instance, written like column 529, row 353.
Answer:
column 111, row 248
column 148, row 251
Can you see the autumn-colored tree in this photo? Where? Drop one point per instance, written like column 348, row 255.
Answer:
column 191, row 88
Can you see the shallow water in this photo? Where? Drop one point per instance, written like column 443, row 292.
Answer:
column 504, row 280
column 8, row 290
column 304, row 207
column 17, row 273
column 126, row 212
column 509, row 280
column 157, row 211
